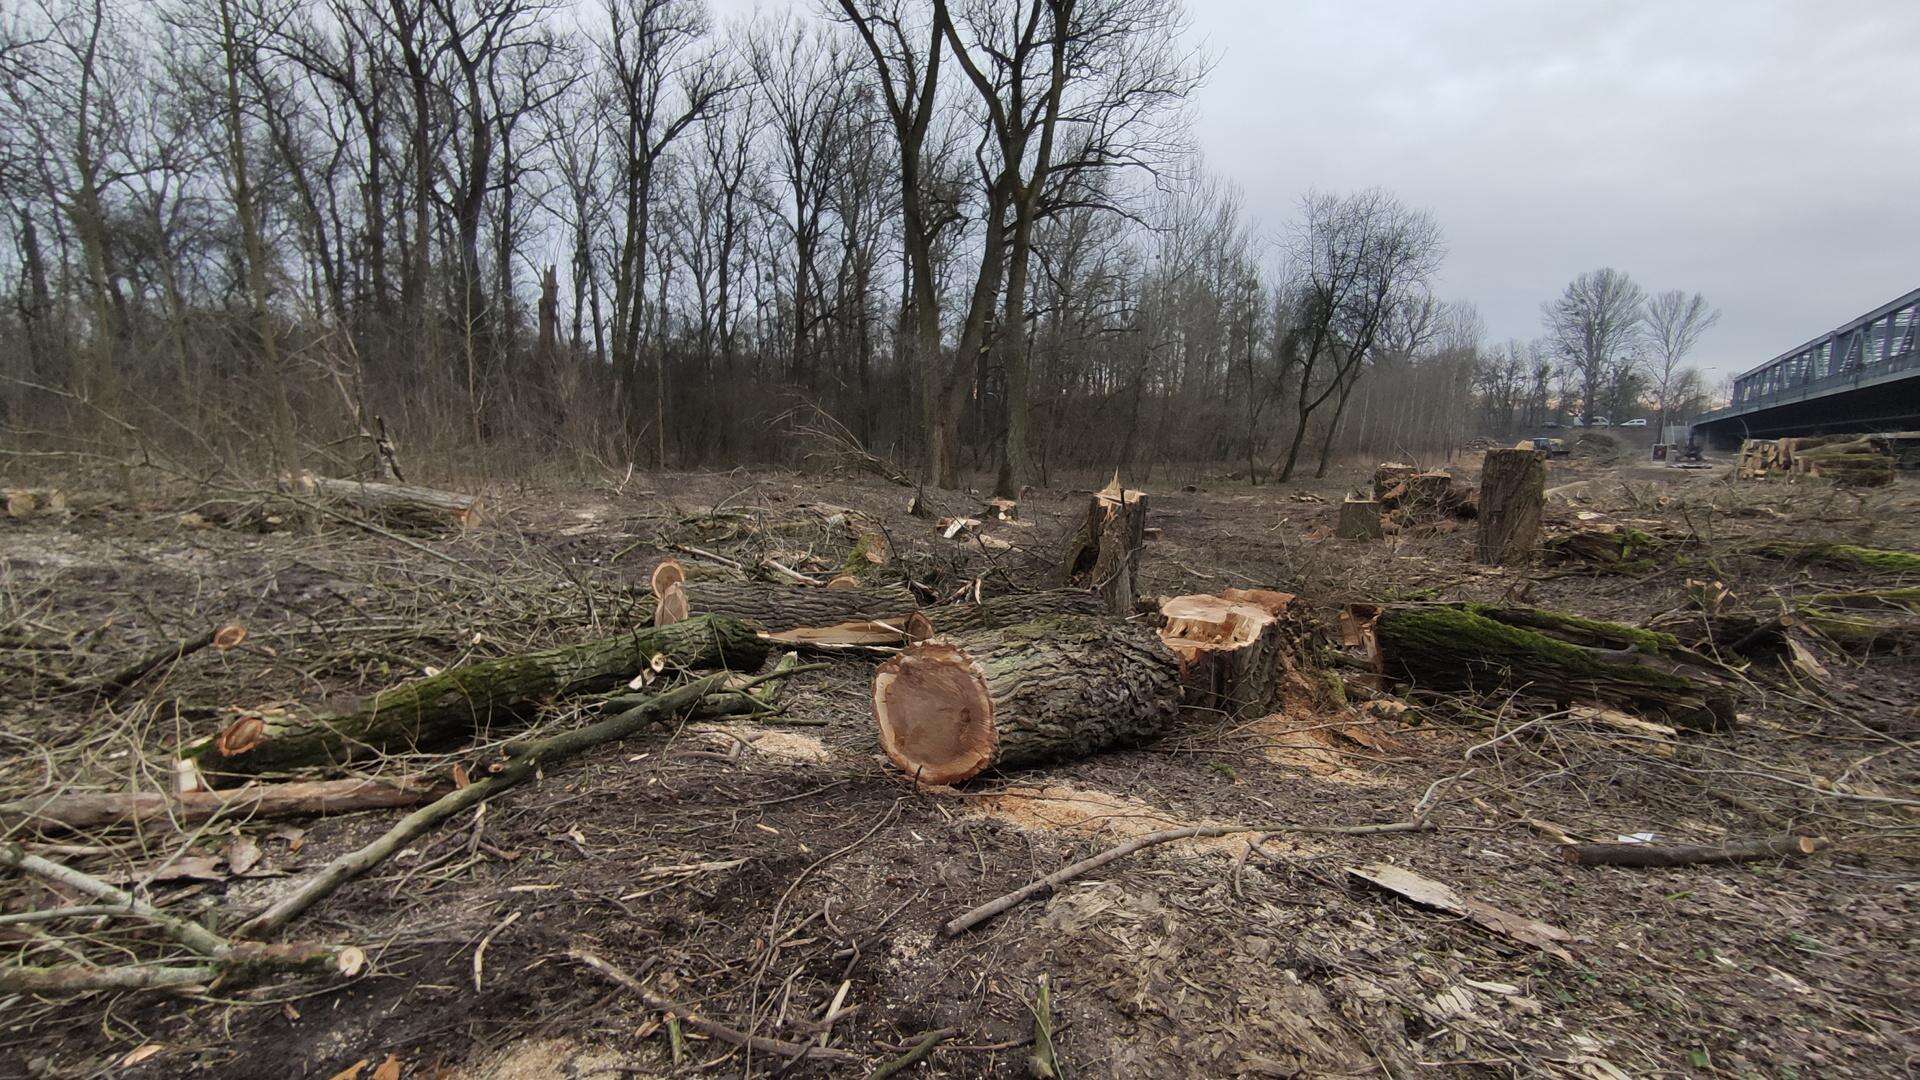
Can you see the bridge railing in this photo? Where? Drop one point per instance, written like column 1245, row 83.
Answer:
column 1845, row 380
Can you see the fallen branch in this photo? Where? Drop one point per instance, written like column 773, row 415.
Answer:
column 973, row 918
column 700, row 1023
column 78, row 811
column 524, row 758
column 914, row 1056
column 1644, row 855
column 230, row 958
column 225, row 637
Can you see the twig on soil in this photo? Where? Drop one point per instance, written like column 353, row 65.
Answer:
column 699, row 1023
column 914, row 1056
column 978, row 915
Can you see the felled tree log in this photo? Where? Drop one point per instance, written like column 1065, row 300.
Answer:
column 1846, row 556
column 784, row 607
column 1650, row 855
column 1013, row 609
column 1236, row 649
column 1550, row 655
column 84, row 810
column 1104, row 555
column 1058, row 687
column 1512, row 496
column 451, row 705
column 405, row 503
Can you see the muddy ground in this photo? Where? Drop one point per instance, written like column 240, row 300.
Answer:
column 752, row 870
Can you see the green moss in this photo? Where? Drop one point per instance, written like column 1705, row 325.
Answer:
column 1058, row 628
column 1907, row 599
column 1444, row 631
column 1651, row 642
column 1848, row 555
column 857, row 562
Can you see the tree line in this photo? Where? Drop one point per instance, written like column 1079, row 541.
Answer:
column 974, row 232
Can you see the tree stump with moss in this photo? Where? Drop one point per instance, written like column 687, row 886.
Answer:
column 447, row 707
column 1051, row 689
column 1551, row 655
column 1512, row 495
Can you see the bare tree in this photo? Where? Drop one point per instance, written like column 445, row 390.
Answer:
column 1595, row 326
column 1675, row 322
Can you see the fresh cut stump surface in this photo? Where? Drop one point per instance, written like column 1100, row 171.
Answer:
column 1053, row 688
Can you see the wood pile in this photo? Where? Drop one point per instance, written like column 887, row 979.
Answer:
column 1409, row 498
column 1850, row 460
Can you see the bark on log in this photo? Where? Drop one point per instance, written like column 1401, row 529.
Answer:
column 451, row 705
column 1013, row 609
column 1054, row 688
column 1104, row 555
column 1512, row 496
column 80, row 811
column 785, row 607
column 1236, row 649
column 1551, row 655
column 404, row 503
column 1643, row 855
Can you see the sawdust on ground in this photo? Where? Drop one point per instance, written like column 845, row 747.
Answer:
column 1066, row 808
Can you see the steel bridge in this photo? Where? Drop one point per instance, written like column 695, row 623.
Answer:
column 1864, row 376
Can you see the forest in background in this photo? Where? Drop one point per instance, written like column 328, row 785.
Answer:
column 973, row 233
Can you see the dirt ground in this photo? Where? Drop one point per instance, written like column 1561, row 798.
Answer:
column 755, row 871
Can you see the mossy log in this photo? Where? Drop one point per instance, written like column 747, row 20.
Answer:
column 1846, row 556
column 1550, row 655
column 1054, row 688
column 445, row 708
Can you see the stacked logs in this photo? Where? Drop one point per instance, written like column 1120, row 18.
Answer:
column 1850, row 460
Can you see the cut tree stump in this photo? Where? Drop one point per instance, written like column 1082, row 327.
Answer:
column 403, row 503
column 1051, row 689
column 1512, row 496
column 1544, row 654
column 453, row 704
column 1104, row 555
column 1359, row 519
column 1236, row 649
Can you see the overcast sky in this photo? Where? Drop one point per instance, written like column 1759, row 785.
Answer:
column 1764, row 153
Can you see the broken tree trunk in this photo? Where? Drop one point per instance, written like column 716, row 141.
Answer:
column 1389, row 475
column 1236, row 649
column 80, row 811
column 404, row 503
column 1644, row 855
column 1549, row 655
column 1058, row 687
column 1359, row 519
column 1104, row 555
column 1512, row 495
column 451, row 705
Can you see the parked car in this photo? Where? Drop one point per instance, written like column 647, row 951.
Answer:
column 1642, row 422
column 1601, row 421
